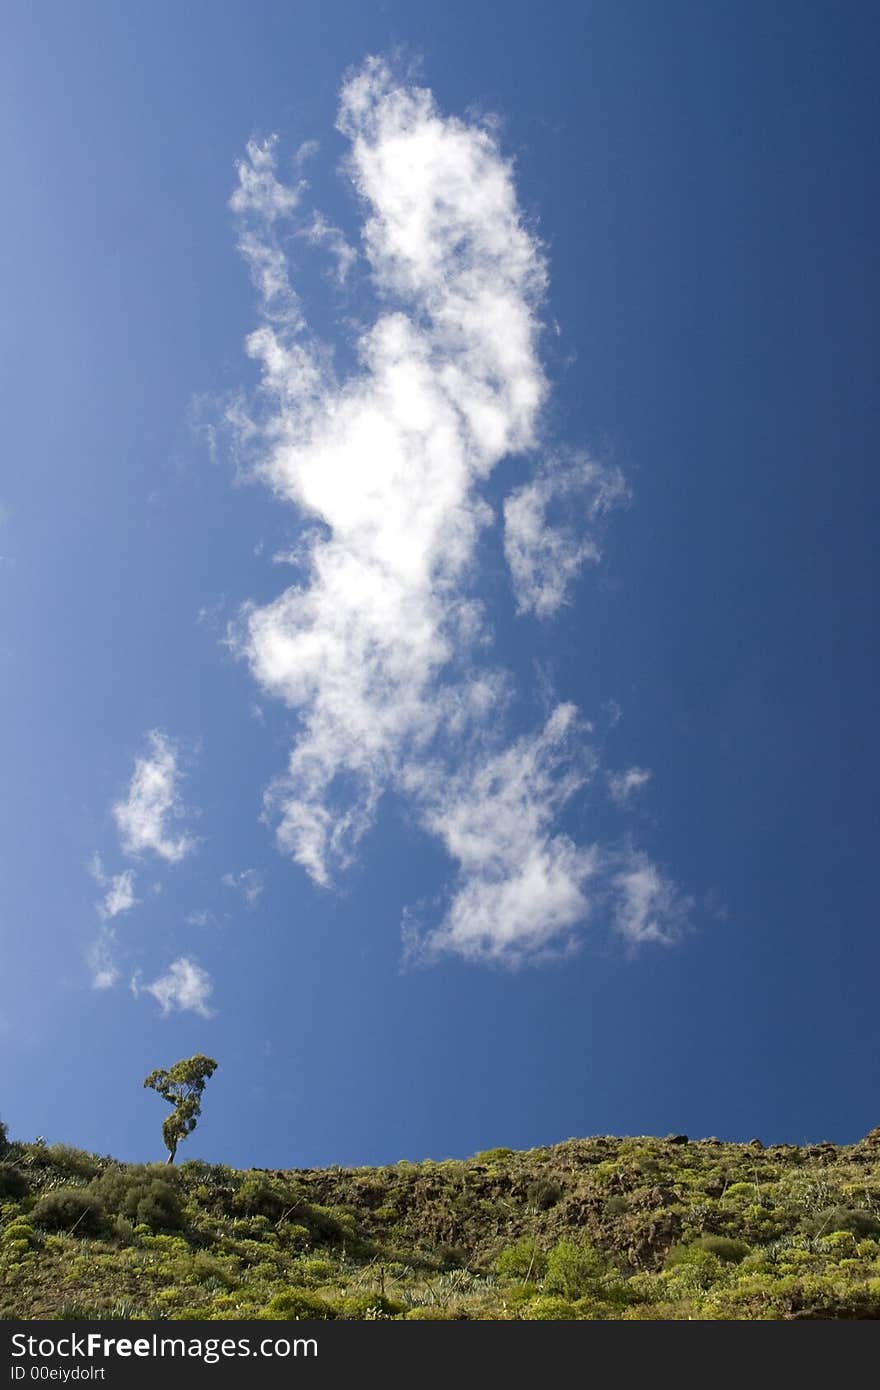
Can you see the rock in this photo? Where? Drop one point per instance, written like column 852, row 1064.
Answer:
column 677, row 1139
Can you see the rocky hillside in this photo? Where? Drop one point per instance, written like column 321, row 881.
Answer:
column 593, row 1228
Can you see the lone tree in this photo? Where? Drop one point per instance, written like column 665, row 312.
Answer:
column 182, row 1086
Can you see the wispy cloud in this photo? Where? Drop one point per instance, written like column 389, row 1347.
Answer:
column 521, row 887
column 144, row 818
column 649, row 906
column 201, row 917
column 380, row 646
column 119, row 896
column 391, row 459
column 101, row 958
column 623, row 786
column 102, row 955
column 551, row 528
column 249, row 883
column 320, row 232
column 184, row 986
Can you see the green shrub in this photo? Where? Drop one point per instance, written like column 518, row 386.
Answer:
column 724, row 1248
column 548, row 1310
column 13, row 1182
column 541, row 1196
column 367, row 1306
column 293, row 1304
column 260, row 1195
column 4, row 1138
column 692, row 1268
column 312, row 1271
column 17, row 1236
column 72, row 1210
column 853, row 1219
column 524, row 1260
column 489, row 1157
column 573, row 1269
column 433, row 1315
column 65, row 1160
column 144, row 1195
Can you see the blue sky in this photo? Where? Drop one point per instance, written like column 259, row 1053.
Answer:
column 437, row 573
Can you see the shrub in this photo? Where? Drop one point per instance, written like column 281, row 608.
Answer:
column 367, row 1306
column 489, row 1157
column 145, row 1195
column 293, row 1304
column 72, row 1210
column 434, row 1315
column 573, row 1269
column 312, row 1271
column 853, row 1219
column 740, row 1190
column 541, row 1196
column 65, row 1160
column 692, row 1268
column 524, row 1260
column 17, row 1236
column 4, row 1138
column 723, row 1248
column 260, row 1195
column 13, row 1182
column 548, row 1310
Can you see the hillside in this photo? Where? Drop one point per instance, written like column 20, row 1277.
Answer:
column 593, row 1228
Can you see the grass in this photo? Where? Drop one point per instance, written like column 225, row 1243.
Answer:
column 600, row 1228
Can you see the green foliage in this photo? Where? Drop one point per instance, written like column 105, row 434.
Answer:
column 64, row 1161
column 145, row 1195
column 368, row 1306
column 431, row 1315
column 639, row 1229
column 490, row 1157
column 260, row 1195
column 543, row 1195
column 573, row 1268
column 724, row 1248
column 182, row 1086
column 548, row 1310
column 70, row 1209
column 841, row 1218
column 693, row 1269
column 297, row 1304
column 13, row 1182
column 4, row 1138
column 524, row 1260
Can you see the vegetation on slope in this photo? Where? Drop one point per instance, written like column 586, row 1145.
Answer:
column 595, row 1228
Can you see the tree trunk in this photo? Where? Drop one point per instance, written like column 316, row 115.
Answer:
column 171, row 1153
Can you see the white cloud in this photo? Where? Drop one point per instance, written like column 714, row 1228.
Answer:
column 521, row 888
column 259, row 201
column 101, row 958
column 378, row 646
column 201, row 917
column 248, row 882
column 649, row 907
column 184, row 985
column 545, row 542
column 320, row 232
column 622, row 786
column 119, row 896
column 390, row 460
column 153, row 800
column 259, row 193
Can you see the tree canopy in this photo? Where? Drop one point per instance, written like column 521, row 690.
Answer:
column 182, row 1086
